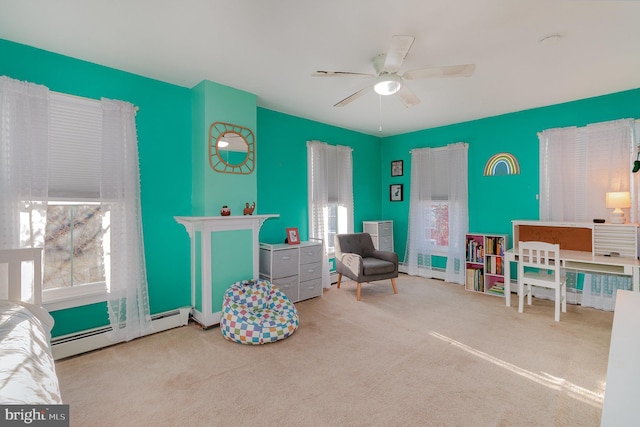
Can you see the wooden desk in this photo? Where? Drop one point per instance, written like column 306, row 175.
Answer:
column 584, row 262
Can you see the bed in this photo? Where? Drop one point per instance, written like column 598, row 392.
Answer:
column 27, row 368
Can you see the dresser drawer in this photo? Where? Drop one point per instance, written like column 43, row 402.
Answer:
column 385, row 228
column 310, row 271
column 288, row 285
column 310, row 254
column 310, row 289
column 383, row 243
column 284, row 263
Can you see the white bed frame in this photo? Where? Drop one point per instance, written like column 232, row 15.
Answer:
column 15, row 258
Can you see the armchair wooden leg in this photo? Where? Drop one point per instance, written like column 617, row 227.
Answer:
column 339, row 279
column 358, row 288
column 393, row 283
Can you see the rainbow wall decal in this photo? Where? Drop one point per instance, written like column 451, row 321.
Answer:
column 502, row 164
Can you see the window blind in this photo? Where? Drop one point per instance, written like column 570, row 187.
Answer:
column 75, row 126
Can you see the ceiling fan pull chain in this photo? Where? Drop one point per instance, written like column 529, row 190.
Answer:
column 380, row 116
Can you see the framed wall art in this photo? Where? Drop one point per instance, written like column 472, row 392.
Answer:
column 395, row 192
column 396, row 168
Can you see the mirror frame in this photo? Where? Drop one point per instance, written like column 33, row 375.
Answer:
column 217, row 130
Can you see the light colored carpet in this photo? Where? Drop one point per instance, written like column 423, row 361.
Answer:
column 434, row 354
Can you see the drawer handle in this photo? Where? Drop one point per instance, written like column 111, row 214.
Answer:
column 286, row 257
column 311, row 271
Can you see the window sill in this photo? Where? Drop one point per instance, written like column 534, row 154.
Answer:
column 76, row 300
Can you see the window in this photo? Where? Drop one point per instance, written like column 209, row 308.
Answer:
column 72, row 179
column 330, row 196
column 330, row 192
column 438, row 231
column 438, row 213
column 578, row 166
column 337, row 220
column 76, row 254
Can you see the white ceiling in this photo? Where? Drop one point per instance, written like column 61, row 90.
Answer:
column 271, row 47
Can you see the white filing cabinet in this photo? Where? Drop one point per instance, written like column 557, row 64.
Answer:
column 295, row 269
column 381, row 233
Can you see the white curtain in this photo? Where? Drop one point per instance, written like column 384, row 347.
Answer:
column 25, row 187
column 578, row 166
column 330, row 181
column 120, row 188
column 438, row 177
column 24, row 132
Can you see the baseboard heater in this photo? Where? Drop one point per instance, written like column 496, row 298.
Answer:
column 437, row 273
column 93, row 339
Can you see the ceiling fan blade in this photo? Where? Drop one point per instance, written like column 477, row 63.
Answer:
column 339, row 74
column 408, row 98
column 349, row 99
column 400, row 46
column 465, row 70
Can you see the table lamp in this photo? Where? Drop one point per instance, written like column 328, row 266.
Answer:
column 618, row 200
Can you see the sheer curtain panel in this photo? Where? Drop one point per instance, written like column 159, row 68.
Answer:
column 24, row 132
column 54, row 147
column 578, row 166
column 120, row 188
column 438, row 211
column 330, row 196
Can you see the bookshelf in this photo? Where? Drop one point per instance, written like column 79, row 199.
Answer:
column 485, row 262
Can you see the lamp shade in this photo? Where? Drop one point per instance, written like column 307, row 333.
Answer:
column 618, row 199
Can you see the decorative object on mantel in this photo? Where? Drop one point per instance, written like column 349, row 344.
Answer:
column 225, row 211
column 248, row 210
column 293, row 236
column 232, row 148
column 502, row 164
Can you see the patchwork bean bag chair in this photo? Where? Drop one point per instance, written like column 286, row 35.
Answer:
column 257, row 312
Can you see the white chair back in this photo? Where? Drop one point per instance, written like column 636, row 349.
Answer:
column 539, row 265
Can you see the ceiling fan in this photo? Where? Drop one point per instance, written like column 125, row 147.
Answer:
column 389, row 82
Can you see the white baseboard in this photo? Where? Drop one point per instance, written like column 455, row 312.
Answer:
column 82, row 342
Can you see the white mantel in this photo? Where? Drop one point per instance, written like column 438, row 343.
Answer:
column 206, row 225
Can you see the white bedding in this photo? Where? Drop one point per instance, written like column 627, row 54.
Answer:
column 27, row 369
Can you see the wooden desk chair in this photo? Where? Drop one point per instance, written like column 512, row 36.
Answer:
column 539, row 265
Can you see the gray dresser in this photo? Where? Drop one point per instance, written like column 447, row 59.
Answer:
column 381, row 233
column 295, row 269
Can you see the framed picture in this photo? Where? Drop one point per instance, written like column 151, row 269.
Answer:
column 293, row 237
column 395, row 192
column 396, row 168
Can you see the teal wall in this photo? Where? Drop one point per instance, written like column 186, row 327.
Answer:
column 164, row 138
column 282, row 171
column 212, row 103
column 496, row 200
column 171, row 118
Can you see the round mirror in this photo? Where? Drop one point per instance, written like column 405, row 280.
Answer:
column 231, row 148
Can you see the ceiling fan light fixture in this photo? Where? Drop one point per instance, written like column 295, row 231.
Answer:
column 387, row 85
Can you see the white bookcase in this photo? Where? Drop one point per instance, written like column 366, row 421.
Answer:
column 485, row 262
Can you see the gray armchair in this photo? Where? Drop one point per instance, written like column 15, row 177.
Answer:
column 357, row 259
